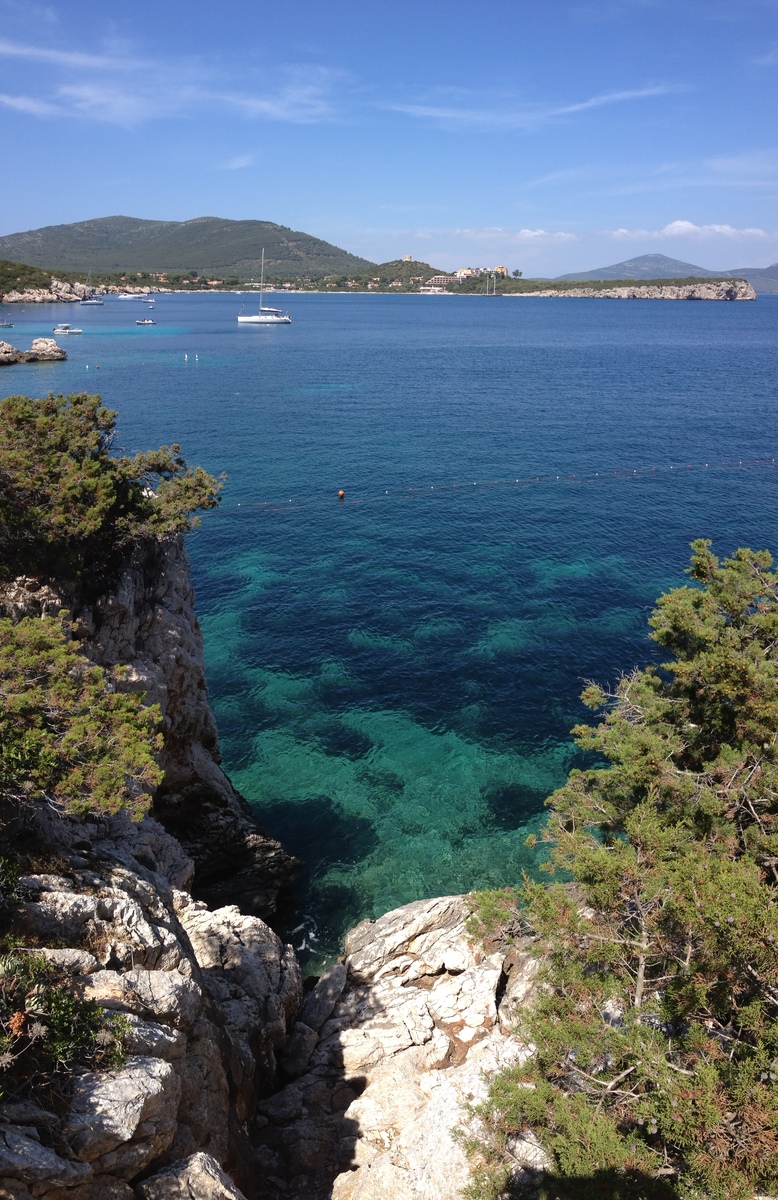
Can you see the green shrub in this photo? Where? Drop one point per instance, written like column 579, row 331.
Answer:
column 46, row 1031
column 65, row 733
column 656, row 1064
column 69, row 508
column 494, row 915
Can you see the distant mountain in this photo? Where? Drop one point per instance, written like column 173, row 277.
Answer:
column 762, row 279
column 646, row 266
column 208, row 245
column 659, row 266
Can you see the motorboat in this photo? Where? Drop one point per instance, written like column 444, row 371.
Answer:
column 265, row 316
column 64, row 328
column 5, row 323
column 145, row 321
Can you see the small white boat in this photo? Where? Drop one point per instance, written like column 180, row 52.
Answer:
column 63, row 328
column 5, row 323
column 145, row 321
column 126, row 296
column 265, row 316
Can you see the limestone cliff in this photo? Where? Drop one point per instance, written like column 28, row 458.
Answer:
column 147, row 623
column 62, row 291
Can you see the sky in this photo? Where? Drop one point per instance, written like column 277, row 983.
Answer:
column 543, row 135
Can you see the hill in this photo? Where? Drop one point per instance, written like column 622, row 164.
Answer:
column 645, row 266
column 206, row 245
column 762, row 279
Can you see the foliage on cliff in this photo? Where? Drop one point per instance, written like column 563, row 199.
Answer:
column 69, row 508
column 46, row 1031
column 65, row 733
column 656, row 1070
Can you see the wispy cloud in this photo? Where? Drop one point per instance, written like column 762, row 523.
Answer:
column 238, row 162
column 687, row 229
column 69, row 58
column 768, row 60
column 123, row 89
column 28, row 104
column 505, row 114
column 493, row 234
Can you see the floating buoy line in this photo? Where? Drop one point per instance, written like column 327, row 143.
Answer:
column 623, row 474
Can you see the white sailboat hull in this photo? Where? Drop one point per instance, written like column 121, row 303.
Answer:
column 265, row 319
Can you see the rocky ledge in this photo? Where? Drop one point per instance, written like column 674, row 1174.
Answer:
column 735, row 289
column 42, row 350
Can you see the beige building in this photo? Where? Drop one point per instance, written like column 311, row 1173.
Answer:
column 503, row 271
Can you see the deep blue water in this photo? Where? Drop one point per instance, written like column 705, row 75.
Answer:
column 395, row 676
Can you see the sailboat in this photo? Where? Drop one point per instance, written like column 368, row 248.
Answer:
column 265, row 316
column 91, row 298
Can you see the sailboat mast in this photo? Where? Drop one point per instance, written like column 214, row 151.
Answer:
column 262, row 279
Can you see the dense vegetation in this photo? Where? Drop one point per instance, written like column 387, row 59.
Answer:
column 208, row 245
column 656, row 1063
column 66, row 734
column 16, row 276
column 69, row 508
column 72, row 512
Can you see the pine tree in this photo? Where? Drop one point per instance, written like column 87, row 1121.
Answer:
column 656, row 1064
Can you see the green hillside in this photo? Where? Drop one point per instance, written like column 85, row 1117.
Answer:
column 16, row 276
column 208, row 245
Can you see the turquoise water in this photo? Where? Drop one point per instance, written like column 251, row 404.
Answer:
column 395, row 676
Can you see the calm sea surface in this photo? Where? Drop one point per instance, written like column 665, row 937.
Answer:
column 395, row 676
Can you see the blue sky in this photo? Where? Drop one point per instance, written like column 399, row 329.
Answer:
column 548, row 136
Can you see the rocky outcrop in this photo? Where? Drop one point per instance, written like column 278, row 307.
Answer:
column 731, row 289
column 422, row 1018
column 42, row 350
column 147, row 624
column 58, row 291
column 62, row 291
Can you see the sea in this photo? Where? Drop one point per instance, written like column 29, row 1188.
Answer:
column 395, row 673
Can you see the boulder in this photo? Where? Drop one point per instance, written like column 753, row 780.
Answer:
column 24, row 1159
column 163, row 996
column 197, row 1178
column 123, row 1118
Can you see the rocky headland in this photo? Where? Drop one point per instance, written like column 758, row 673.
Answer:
column 238, row 1079
column 735, row 289
column 42, row 350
